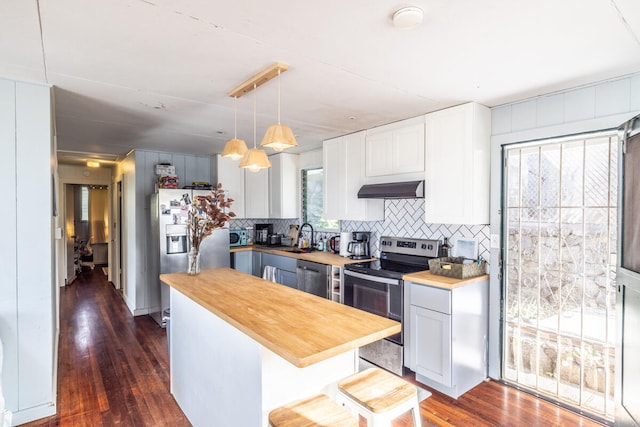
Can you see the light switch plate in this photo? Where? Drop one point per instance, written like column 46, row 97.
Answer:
column 495, row 241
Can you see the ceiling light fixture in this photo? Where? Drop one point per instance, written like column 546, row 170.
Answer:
column 279, row 136
column 92, row 164
column 235, row 148
column 408, row 17
column 255, row 159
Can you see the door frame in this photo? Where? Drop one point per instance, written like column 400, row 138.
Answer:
column 62, row 189
column 627, row 280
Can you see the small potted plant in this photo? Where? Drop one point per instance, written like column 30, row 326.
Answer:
column 206, row 213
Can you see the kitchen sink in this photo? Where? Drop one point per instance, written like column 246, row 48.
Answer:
column 295, row 250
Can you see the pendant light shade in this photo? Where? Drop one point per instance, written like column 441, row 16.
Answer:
column 255, row 158
column 235, row 148
column 279, row 136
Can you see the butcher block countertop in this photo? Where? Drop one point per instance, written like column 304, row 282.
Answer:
column 316, row 256
column 428, row 278
column 300, row 327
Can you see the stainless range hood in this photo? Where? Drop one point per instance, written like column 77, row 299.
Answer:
column 393, row 190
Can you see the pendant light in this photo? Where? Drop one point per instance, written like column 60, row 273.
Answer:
column 255, row 158
column 279, row 136
column 235, row 148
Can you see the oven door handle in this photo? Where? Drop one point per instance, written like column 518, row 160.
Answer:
column 384, row 280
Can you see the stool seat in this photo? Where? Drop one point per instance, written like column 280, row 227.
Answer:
column 315, row 411
column 379, row 396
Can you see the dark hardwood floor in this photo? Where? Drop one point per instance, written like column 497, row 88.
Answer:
column 113, row 370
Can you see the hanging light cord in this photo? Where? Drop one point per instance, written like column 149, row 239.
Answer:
column 254, row 115
column 235, row 117
column 278, row 95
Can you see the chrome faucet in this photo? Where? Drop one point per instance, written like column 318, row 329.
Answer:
column 312, row 245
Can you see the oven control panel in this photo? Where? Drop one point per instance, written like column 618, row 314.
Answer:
column 407, row 246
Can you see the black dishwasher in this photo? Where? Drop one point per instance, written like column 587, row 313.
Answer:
column 313, row 278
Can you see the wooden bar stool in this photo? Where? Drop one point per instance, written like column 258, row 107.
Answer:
column 379, row 396
column 316, row 411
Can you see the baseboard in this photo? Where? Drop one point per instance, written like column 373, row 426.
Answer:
column 33, row 414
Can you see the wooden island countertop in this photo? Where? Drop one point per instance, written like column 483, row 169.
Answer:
column 299, row 327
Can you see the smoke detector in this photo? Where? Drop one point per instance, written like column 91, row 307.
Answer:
column 408, row 17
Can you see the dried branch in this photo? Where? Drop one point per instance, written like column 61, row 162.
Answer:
column 207, row 213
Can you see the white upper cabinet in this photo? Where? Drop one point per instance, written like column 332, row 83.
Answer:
column 344, row 174
column 284, row 186
column 396, row 149
column 232, row 179
column 256, row 192
column 457, row 165
column 333, row 167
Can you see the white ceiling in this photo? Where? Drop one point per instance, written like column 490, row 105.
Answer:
column 154, row 74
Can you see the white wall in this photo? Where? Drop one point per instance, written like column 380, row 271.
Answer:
column 28, row 313
column 311, row 159
column 595, row 107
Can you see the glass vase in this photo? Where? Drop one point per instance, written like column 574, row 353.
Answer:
column 193, row 266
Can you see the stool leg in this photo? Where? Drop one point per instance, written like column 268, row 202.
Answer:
column 417, row 421
column 343, row 401
column 377, row 421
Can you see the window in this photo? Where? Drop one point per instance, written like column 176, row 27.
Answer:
column 312, row 201
column 84, row 203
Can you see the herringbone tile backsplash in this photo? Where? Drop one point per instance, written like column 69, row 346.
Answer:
column 403, row 218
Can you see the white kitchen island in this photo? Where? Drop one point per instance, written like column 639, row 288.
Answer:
column 241, row 346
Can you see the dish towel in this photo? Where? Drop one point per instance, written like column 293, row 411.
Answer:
column 5, row 414
column 269, row 273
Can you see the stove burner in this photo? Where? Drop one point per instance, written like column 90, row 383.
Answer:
column 400, row 256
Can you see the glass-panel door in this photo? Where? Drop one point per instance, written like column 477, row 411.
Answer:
column 628, row 277
column 560, row 215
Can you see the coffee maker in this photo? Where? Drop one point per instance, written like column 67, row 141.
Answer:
column 263, row 231
column 359, row 245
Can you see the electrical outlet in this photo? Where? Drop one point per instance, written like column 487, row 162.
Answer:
column 495, row 241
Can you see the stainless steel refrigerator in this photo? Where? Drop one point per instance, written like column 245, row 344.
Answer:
column 169, row 245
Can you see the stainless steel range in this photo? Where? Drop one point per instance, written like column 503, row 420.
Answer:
column 377, row 287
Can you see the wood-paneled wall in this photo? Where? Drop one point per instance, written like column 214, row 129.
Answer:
column 27, row 289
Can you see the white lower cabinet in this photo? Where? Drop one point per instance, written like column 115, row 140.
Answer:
column 446, row 335
column 432, row 356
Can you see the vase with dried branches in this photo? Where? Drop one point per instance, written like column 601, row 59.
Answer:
column 206, row 213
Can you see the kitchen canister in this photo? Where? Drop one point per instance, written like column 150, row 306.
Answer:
column 345, row 238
